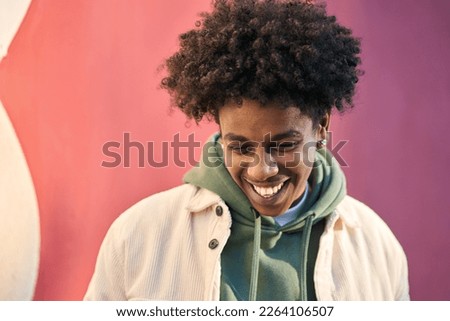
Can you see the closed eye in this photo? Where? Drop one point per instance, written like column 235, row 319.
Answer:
column 286, row 146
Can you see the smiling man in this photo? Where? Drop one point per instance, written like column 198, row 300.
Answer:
column 271, row 219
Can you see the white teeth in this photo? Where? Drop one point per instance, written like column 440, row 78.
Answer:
column 268, row 191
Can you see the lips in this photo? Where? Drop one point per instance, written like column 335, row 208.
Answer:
column 267, row 192
column 269, row 197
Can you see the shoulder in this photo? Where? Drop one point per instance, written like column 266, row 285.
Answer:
column 357, row 214
column 367, row 253
column 154, row 210
column 163, row 210
column 164, row 201
column 366, row 222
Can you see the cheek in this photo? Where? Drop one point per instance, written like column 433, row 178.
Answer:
column 302, row 174
column 233, row 165
column 230, row 160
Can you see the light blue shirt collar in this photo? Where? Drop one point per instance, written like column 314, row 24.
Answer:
column 291, row 214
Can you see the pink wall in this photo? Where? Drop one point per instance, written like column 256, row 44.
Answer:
column 82, row 73
column 398, row 151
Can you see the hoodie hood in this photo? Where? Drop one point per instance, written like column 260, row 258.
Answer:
column 328, row 188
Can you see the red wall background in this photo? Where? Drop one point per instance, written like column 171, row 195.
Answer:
column 80, row 74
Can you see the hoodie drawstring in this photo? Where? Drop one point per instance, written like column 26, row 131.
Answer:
column 304, row 257
column 255, row 257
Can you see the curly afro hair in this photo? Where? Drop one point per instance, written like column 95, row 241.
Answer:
column 288, row 52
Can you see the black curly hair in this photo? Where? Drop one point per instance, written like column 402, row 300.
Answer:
column 284, row 51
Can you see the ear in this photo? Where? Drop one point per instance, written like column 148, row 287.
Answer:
column 323, row 127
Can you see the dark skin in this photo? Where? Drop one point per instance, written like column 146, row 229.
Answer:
column 269, row 151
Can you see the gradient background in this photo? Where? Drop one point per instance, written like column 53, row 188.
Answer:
column 82, row 73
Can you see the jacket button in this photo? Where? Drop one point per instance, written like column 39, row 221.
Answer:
column 219, row 210
column 213, row 244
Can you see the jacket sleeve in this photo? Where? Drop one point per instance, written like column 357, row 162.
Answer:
column 402, row 293
column 371, row 264
column 107, row 282
column 395, row 260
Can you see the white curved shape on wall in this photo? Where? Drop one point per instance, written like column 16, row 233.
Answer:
column 19, row 219
column 12, row 13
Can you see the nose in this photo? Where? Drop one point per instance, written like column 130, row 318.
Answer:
column 263, row 166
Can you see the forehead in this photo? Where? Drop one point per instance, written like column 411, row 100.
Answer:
column 254, row 121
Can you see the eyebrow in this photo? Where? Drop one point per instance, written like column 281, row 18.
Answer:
column 289, row 134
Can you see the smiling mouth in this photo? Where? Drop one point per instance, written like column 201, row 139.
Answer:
column 268, row 192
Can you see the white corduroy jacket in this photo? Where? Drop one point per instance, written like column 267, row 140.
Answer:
column 167, row 247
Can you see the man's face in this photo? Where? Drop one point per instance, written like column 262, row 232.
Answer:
column 269, row 152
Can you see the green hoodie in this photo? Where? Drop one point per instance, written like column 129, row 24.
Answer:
column 262, row 260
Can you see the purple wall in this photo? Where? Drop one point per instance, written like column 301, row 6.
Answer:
column 397, row 152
